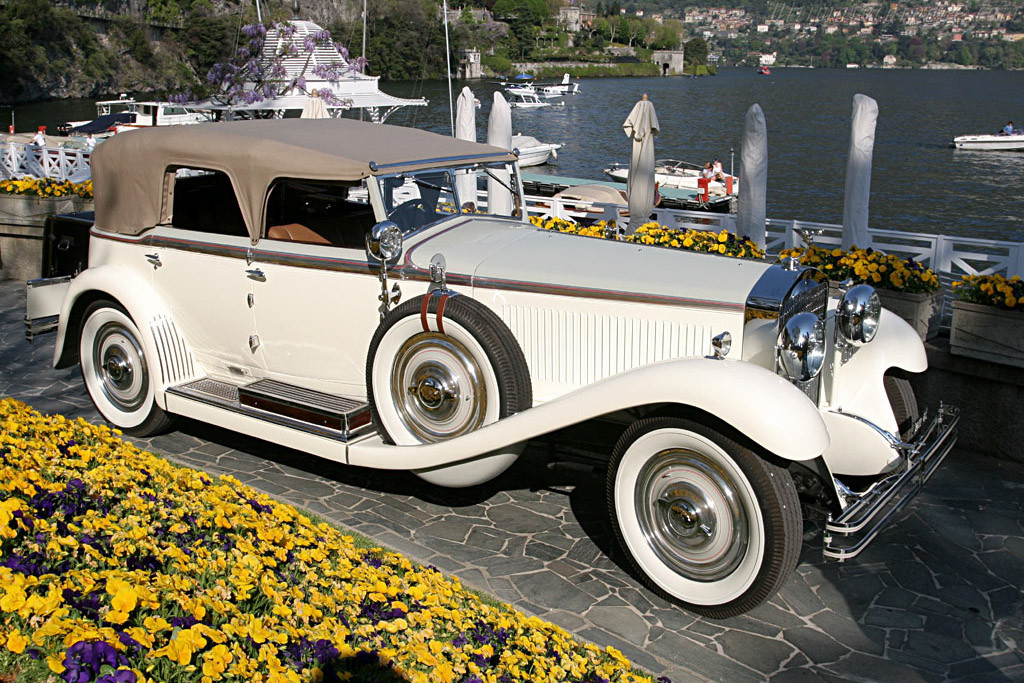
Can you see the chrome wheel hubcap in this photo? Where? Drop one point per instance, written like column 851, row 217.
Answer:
column 437, row 387
column 120, row 367
column 691, row 515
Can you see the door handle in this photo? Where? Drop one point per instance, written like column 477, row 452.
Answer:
column 256, row 274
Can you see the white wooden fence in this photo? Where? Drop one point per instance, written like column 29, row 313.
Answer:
column 20, row 159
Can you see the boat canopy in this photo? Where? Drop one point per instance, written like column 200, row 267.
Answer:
column 130, row 172
column 104, row 123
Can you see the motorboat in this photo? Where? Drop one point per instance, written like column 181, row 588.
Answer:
column 127, row 113
column 526, row 100
column 1003, row 142
column 533, row 152
column 764, row 71
column 680, row 174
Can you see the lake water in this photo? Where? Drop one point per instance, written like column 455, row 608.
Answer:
column 919, row 183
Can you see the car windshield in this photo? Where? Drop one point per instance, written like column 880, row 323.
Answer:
column 416, row 199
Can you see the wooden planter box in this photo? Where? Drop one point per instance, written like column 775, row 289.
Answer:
column 22, row 218
column 987, row 333
column 922, row 311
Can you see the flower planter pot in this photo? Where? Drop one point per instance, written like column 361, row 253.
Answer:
column 921, row 311
column 987, row 333
column 30, row 210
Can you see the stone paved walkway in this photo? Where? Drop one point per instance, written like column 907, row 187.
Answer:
column 937, row 597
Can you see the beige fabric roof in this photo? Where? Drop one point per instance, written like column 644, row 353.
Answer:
column 128, row 169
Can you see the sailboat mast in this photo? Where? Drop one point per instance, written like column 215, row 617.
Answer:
column 364, row 31
column 259, row 14
column 448, row 58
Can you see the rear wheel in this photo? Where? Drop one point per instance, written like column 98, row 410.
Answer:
column 703, row 519
column 117, row 372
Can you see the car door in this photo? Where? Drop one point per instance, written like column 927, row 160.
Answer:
column 201, row 270
column 316, row 305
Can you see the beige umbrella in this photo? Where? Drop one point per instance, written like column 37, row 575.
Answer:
column 641, row 126
column 314, row 108
column 465, row 129
column 858, row 173
column 751, row 207
column 499, row 134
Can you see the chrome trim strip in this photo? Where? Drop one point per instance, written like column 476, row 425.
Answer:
column 925, row 456
column 198, row 247
column 338, row 265
column 374, row 166
column 413, row 273
column 606, row 294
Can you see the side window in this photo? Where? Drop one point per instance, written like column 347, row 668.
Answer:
column 318, row 212
column 205, row 201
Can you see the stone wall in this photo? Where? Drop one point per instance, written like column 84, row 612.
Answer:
column 989, row 396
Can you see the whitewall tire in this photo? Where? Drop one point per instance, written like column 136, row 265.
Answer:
column 703, row 519
column 432, row 377
column 116, row 371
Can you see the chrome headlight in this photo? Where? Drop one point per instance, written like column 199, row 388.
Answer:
column 384, row 241
column 801, row 346
column 858, row 314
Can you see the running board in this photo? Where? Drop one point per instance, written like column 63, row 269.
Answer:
column 283, row 404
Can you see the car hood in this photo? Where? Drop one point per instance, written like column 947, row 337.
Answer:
column 498, row 254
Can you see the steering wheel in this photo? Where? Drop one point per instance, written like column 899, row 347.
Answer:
column 411, row 214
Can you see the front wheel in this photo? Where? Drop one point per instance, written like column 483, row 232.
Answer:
column 117, row 372
column 703, row 519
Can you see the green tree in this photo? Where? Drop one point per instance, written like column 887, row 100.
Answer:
column 696, row 51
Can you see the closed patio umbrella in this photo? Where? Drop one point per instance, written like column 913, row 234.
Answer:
column 858, row 172
column 314, row 108
column 751, row 208
column 641, row 126
column 465, row 129
column 499, row 134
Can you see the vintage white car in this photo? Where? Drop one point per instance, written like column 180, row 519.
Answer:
column 326, row 285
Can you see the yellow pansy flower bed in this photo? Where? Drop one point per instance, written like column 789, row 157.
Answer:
column 46, row 187
column 1002, row 292
column 119, row 567
column 653, row 233
column 885, row 271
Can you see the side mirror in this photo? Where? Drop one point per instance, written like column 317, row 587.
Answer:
column 384, row 241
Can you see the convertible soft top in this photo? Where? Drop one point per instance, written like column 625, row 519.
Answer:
column 129, row 170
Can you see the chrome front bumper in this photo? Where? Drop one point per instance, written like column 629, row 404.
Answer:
column 870, row 512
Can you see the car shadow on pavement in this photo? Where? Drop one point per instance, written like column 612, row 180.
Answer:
column 935, row 597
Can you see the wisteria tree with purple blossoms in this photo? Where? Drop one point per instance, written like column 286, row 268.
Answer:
column 253, row 75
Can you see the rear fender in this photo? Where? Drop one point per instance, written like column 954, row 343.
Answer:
column 757, row 403
column 172, row 357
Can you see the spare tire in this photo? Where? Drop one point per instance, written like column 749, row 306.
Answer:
column 440, row 366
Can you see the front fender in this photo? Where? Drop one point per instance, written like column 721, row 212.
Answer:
column 858, row 382
column 134, row 293
column 759, row 404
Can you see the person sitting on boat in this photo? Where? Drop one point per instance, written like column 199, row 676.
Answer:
column 1007, row 129
column 716, row 171
column 707, row 171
